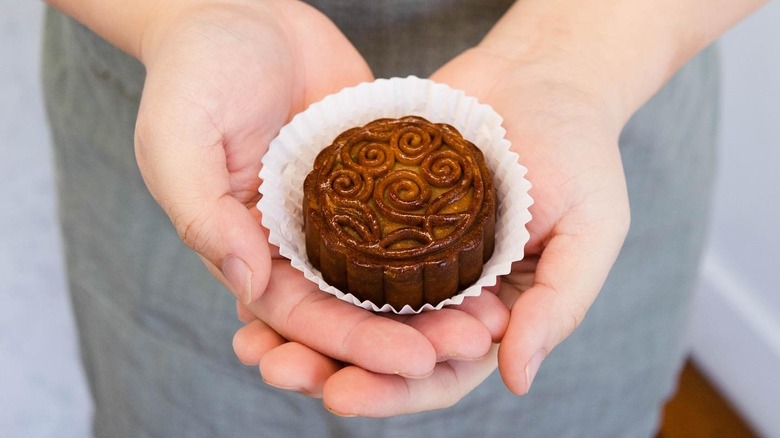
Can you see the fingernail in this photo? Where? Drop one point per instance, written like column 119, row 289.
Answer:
column 340, row 414
column 413, row 376
column 293, row 388
column 240, row 277
column 532, row 367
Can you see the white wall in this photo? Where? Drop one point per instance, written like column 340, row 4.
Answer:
column 42, row 389
column 736, row 331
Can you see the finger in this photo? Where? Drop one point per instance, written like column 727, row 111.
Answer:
column 568, row 277
column 465, row 331
column 254, row 340
column 296, row 367
column 353, row 391
column 453, row 333
column 489, row 310
column 299, row 311
column 244, row 314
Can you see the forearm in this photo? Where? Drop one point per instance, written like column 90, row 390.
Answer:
column 626, row 49
column 121, row 23
column 137, row 27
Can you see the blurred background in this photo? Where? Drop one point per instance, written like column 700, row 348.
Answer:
column 735, row 336
column 42, row 389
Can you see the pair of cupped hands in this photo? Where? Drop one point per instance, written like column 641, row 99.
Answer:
column 223, row 78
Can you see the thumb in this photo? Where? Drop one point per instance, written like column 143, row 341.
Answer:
column 568, row 277
column 186, row 172
column 230, row 242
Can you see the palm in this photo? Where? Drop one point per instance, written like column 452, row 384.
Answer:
column 580, row 212
column 221, row 82
column 233, row 78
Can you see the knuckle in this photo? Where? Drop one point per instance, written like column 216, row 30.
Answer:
column 570, row 310
column 575, row 314
column 192, row 230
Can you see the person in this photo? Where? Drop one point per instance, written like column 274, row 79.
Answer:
column 161, row 112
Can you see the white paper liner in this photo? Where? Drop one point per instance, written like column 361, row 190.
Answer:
column 291, row 155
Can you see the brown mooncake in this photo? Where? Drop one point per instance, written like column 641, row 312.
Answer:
column 400, row 212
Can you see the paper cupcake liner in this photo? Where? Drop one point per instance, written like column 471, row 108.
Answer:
column 291, row 155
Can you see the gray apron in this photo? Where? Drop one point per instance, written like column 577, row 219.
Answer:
column 155, row 328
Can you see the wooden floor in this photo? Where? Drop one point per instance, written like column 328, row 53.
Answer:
column 699, row 411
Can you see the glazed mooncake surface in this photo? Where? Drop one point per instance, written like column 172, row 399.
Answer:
column 400, row 212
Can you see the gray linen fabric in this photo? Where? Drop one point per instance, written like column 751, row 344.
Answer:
column 156, row 329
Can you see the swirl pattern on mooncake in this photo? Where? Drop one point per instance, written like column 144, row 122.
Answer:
column 398, row 207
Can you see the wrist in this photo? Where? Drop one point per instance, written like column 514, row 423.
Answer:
column 620, row 51
column 182, row 20
column 139, row 27
column 119, row 23
column 581, row 50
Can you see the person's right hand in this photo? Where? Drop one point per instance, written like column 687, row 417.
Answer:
column 222, row 78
